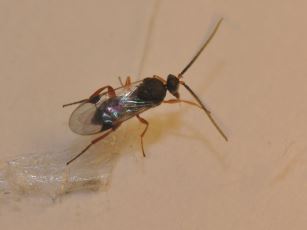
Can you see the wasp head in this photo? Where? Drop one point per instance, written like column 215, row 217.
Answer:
column 172, row 85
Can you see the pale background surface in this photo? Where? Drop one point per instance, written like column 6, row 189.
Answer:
column 253, row 76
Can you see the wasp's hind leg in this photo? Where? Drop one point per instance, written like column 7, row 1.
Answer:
column 92, row 143
column 142, row 120
column 95, row 96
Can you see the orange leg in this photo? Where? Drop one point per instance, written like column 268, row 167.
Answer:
column 92, row 143
column 94, row 97
column 110, row 91
column 127, row 83
column 174, row 101
column 142, row 120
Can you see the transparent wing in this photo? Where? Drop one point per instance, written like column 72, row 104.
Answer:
column 80, row 121
column 124, row 105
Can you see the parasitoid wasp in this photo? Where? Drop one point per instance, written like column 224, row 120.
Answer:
column 107, row 108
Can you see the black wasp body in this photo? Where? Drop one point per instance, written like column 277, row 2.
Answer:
column 115, row 110
column 107, row 108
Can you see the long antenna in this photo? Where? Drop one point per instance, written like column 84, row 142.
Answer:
column 205, row 109
column 180, row 75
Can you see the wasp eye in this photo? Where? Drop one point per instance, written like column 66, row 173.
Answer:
column 172, row 84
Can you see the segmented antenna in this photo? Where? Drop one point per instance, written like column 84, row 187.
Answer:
column 205, row 109
column 180, row 75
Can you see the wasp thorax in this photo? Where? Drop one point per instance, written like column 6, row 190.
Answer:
column 151, row 89
column 172, row 85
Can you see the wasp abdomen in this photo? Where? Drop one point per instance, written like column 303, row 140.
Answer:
column 108, row 112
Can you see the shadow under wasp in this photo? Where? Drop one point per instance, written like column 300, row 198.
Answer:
column 107, row 108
